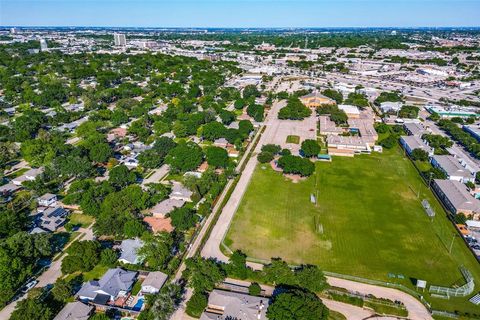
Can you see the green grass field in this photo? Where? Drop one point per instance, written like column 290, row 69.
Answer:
column 373, row 223
column 293, row 139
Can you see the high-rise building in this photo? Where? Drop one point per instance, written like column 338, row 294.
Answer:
column 13, row 30
column 119, row 39
column 43, row 45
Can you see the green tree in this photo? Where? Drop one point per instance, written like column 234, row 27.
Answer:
column 108, row 257
column 294, row 110
column 62, row 290
column 296, row 165
column 196, row 304
column 31, row 309
column 256, row 111
column 310, row 148
column 333, row 94
column 297, row 304
column 82, row 256
column 311, row 278
column 183, row 218
column 185, row 156
column 265, row 156
column 133, row 228
column 100, row 152
column 157, row 250
column 250, row 92
column 419, row 154
column 204, row 274
column 213, row 130
column 120, row 176
column 216, row 157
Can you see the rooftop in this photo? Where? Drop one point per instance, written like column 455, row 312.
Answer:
column 457, row 194
column 223, row 305
column 74, row 311
column 452, row 167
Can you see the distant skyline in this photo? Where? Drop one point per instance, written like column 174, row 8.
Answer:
column 241, row 13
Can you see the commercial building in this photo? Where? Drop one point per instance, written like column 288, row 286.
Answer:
column 43, row 45
column 456, row 198
column 473, row 130
column 346, row 145
column 315, row 99
column 452, row 112
column 410, row 143
column 414, row 129
column 232, row 305
column 351, row 111
column 452, row 168
column 120, row 39
column 389, row 106
column 327, row 126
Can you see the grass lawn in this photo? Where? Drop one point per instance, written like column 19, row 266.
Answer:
column 373, row 224
column 80, row 219
column 293, row 139
column 96, row 273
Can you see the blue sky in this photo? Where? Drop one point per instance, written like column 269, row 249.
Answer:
column 240, row 13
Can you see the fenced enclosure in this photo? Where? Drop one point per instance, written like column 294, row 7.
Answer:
column 461, row 291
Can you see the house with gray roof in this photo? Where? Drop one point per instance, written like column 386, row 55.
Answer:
column 161, row 209
column 179, row 192
column 223, row 305
column 154, row 282
column 129, row 251
column 456, row 198
column 114, row 283
column 52, row 218
column 452, row 168
column 75, row 311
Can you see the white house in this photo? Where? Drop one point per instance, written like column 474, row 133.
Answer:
column 154, row 282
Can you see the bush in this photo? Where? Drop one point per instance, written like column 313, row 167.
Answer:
column 389, row 142
column 254, row 289
column 196, row 304
column 265, row 156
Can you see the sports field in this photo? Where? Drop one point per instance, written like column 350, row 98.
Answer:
column 368, row 222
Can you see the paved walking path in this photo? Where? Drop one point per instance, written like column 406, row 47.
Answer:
column 416, row 310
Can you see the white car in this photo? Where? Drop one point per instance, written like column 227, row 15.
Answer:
column 29, row 286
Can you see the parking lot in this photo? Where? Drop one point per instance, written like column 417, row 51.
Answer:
column 281, row 129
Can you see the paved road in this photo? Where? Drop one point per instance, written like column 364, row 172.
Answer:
column 50, row 276
column 212, row 246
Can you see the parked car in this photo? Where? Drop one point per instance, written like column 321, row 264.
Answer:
column 29, row 285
